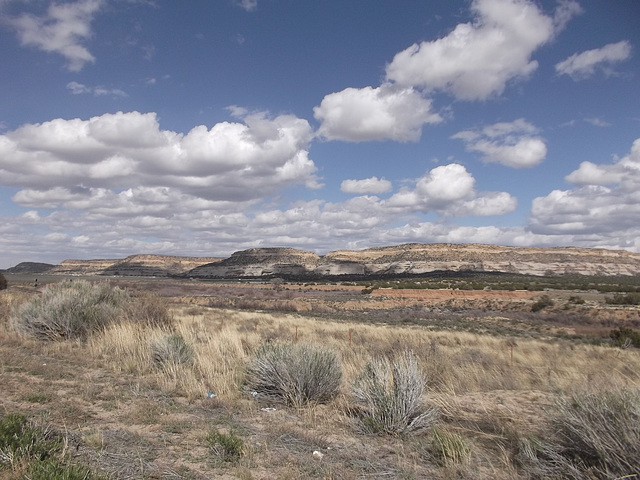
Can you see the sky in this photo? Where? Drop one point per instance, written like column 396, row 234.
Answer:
column 206, row 127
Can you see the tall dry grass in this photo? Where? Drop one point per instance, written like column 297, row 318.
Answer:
column 454, row 363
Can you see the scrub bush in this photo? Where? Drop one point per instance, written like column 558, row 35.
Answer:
column 228, row 446
column 74, row 310
column 597, row 435
column 296, row 374
column 389, row 394
column 171, row 349
column 69, row 310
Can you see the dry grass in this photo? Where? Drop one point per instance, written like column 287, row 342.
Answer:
column 134, row 418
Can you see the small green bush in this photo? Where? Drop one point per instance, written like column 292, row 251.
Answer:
column 36, row 453
column 171, row 349
column 624, row 337
column 228, row 446
column 389, row 394
column 597, row 435
column 3, row 282
column 19, row 439
column 296, row 374
column 543, row 302
column 632, row 298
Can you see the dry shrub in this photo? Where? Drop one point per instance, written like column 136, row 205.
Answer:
column 150, row 310
column 296, row 374
column 389, row 393
column 171, row 349
column 70, row 310
column 597, row 436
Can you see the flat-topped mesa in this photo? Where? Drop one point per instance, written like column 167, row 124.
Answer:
column 157, row 265
column 422, row 258
column 82, row 267
column 134, row 265
column 408, row 259
column 261, row 262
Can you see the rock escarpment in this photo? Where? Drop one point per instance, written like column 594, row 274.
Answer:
column 134, row 265
column 409, row 259
column 261, row 262
column 416, row 259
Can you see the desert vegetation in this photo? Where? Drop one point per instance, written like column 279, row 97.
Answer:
column 155, row 381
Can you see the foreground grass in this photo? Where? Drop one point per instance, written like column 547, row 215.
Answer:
column 130, row 415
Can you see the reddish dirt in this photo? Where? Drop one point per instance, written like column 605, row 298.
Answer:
column 438, row 295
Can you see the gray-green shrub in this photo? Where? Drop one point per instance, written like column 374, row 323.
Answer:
column 596, row 435
column 171, row 349
column 389, row 396
column 296, row 374
column 71, row 310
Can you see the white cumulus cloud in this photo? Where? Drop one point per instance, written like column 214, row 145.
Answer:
column 513, row 144
column 62, row 30
column 449, row 190
column 605, row 200
column 229, row 161
column 477, row 59
column 382, row 113
column 583, row 65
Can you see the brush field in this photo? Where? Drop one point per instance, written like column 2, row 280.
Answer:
column 136, row 400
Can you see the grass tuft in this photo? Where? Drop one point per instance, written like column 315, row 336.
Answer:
column 171, row 349
column 227, row 446
column 389, row 393
column 36, row 453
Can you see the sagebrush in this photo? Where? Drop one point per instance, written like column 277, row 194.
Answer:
column 389, row 396
column 296, row 374
column 171, row 348
column 70, row 310
column 597, row 435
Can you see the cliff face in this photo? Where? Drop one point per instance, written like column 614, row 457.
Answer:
column 394, row 260
column 135, row 265
column 156, row 265
column 419, row 259
column 259, row 262
column 81, row 267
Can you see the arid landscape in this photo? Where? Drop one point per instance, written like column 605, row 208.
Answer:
column 501, row 358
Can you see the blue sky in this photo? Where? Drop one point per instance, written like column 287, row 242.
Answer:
column 211, row 126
